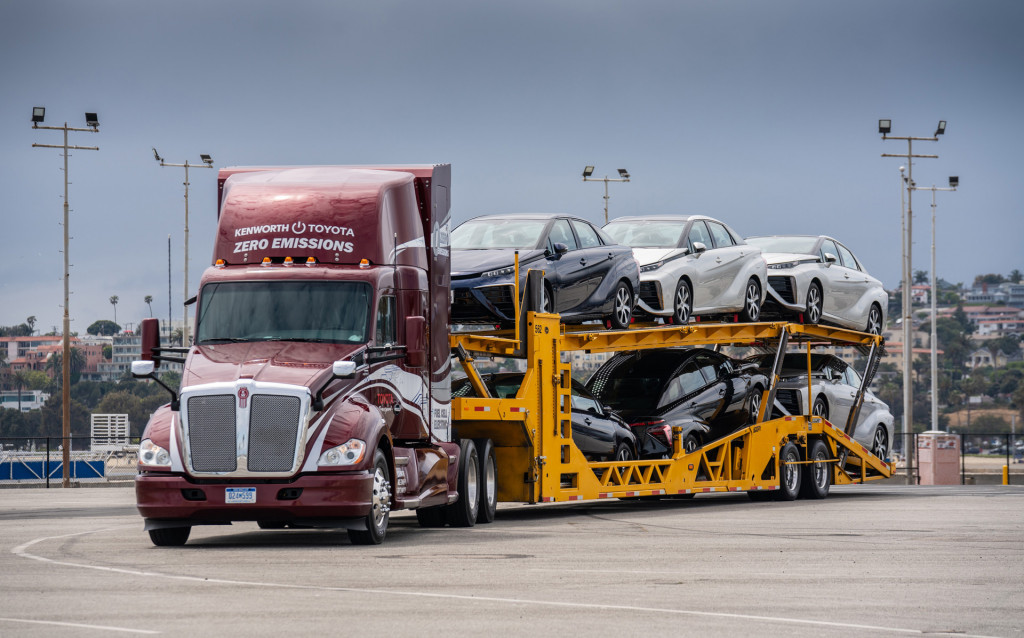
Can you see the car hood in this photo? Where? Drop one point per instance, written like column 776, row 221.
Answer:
column 781, row 258
column 471, row 262
column 301, row 364
column 653, row 255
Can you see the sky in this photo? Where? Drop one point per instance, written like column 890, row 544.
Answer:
column 763, row 114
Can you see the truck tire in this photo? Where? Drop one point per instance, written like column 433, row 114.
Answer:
column 462, row 513
column 817, row 477
column 488, row 481
column 789, row 475
column 380, row 505
column 170, row 536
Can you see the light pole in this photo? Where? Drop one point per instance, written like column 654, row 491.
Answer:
column 38, row 115
column 954, row 181
column 884, row 127
column 623, row 177
column 207, row 163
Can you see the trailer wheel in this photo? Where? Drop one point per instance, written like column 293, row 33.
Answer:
column 170, row 536
column 789, row 475
column 817, row 477
column 488, row 481
column 380, row 505
column 462, row 513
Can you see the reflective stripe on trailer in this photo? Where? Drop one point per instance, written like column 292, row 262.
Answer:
column 518, row 409
column 481, row 408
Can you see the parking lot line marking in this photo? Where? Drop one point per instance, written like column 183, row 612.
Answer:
column 21, row 550
column 78, row 625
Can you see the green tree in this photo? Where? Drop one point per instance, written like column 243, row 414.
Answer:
column 920, row 277
column 990, row 279
column 1015, row 276
column 31, row 321
column 149, row 303
column 113, row 302
column 20, row 380
column 55, row 365
column 104, row 327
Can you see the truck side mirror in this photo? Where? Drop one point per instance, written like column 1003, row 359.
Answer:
column 150, row 329
column 145, row 370
column 415, row 341
column 340, row 369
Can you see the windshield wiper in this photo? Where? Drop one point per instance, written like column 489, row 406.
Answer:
column 223, row 340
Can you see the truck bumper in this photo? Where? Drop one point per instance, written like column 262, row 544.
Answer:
column 307, row 498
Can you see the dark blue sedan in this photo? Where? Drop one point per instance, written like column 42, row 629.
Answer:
column 586, row 274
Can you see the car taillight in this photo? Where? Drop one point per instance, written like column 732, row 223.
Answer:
column 655, row 427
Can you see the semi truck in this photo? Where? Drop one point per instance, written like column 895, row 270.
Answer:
column 317, row 392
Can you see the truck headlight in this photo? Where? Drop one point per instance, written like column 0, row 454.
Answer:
column 500, row 272
column 348, row 453
column 153, row 455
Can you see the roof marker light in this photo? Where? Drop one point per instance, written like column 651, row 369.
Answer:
column 288, row 261
column 310, row 261
column 364, row 263
column 266, row 261
column 220, row 263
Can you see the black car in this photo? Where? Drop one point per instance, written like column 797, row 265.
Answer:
column 706, row 393
column 586, row 274
column 599, row 433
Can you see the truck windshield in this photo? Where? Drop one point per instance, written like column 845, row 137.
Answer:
column 328, row 311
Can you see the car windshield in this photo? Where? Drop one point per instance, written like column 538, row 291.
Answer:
column 784, row 244
column 328, row 311
column 646, row 234
column 492, row 233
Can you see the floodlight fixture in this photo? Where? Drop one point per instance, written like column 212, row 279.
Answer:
column 206, row 159
column 884, row 126
column 92, row 120
column 941, row 128
column 38, row 114
column 588, row 171
column 623, row 173
column 954, row 181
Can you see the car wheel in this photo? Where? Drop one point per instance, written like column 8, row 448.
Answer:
column 751, row 302
column 789, row 472
column 683, row 303
column 880, row 443
column 755, row 403
column 380, row 505
column 820, row 408
column 622, row 308
column 623, row 452
column 488, row 481
column 690, row 443
column 817, row 476
column 874, row 326
column 463, row 512
column 170, row 536
column 814, row 304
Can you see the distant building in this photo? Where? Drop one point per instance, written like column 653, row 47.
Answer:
column 1010, row 294
column 30, row 399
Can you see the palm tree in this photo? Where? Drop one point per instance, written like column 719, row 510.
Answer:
column 31, row 321
column 149, row 302
column 113, row 301
column 20, row 380
column 55, row 365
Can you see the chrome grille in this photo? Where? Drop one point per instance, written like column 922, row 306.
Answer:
column 273, row 429
column 211, row 433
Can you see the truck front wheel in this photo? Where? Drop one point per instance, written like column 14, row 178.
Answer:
column 462, row 513
column 380, row 505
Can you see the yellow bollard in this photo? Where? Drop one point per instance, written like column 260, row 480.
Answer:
column 1006, row 475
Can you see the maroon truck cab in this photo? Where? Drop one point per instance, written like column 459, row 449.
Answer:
column 321, row 347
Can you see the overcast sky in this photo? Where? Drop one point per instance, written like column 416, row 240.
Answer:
column 761, row 113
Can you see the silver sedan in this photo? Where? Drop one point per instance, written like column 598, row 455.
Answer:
column 817, row 279
column 834, row 386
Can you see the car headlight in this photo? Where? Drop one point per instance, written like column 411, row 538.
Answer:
column 783, row 265
column 153, row 455
column 500, row 272
column 649, row 267
column 348, row 453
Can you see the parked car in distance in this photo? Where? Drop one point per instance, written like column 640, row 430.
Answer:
column 692, row 265
column 817, row 279
column 706, row 393
column 597, row 431
column 586, row 274
column 834, row 385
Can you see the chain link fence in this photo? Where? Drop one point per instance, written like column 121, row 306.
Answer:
column 39, row 461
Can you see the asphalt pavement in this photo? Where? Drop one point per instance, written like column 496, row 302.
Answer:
column 869, row 560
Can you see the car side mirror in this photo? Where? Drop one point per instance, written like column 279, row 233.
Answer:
column 830, row 258
column 560, row 248
column 699, row 247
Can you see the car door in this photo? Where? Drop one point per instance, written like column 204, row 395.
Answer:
column 856, row 285
column 834, row 292
column 701, row 264
column 592, row 430
column 594, row 258
column 566, row 271
column 693, row 394
column 728, row 260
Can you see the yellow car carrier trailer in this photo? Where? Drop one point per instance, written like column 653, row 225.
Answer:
column 537, row 460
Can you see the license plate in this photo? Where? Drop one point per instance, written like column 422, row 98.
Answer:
column 239, row 495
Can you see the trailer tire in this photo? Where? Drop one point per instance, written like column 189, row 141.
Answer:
column 170, row 536
column 817, row 478
column 789, row 475
column 488, row 481
column 380, row 505
column 463, row 512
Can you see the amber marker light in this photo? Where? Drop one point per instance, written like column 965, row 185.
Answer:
column 364, row 263
column 220, row 263
column 266, row 261
column 288, row 261
column 310, row 261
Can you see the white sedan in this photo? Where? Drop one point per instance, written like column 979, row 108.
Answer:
column 692, row 265
column 818, row 280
